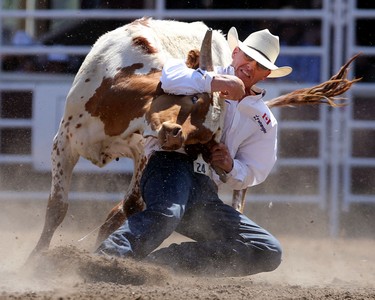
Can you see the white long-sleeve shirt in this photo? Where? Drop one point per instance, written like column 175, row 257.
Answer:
column 250, row 129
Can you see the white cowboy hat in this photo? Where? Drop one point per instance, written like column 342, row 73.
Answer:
column 263, row 47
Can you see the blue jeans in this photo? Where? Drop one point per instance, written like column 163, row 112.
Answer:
column 225, row 242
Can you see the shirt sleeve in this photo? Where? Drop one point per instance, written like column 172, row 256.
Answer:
column 253, row 162
column 178, row 79
column 252, row 144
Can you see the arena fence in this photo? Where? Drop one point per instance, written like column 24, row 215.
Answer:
column 326, row 155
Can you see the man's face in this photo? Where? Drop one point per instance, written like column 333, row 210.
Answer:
column 247, row 69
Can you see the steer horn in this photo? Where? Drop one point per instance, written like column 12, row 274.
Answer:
column 205, row 58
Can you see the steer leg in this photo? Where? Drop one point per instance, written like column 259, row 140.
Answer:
column 63, row 161
column 132, row 202
column 238, row 200
column 117, row 216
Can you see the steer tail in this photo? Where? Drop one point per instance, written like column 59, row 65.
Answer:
column 323, row 93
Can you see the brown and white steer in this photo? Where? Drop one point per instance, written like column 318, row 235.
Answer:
column 116, row 100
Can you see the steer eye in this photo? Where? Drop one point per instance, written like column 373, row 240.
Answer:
column 194, row 99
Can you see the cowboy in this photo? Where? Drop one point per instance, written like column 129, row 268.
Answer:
column 181, row 198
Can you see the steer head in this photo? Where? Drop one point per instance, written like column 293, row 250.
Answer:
column 183, row 120
column 180, row 120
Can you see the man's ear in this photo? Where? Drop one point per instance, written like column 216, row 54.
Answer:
column 235, row 51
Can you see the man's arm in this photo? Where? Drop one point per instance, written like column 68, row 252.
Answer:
column 246, row 153
column 178, row 79
column 229, row 86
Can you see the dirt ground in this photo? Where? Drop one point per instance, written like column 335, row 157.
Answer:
column 312, row 267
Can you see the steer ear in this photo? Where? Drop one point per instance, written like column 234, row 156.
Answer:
column 205, row 59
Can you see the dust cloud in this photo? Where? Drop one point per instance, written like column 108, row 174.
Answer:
column 314, row 266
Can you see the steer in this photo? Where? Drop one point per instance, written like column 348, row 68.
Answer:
column 116, row 100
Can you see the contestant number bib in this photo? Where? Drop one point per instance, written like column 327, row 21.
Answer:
column 200, row 166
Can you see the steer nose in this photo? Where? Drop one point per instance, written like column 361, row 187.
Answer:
column 171, row 136
column 176, row 131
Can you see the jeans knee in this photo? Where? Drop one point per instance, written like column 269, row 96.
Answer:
column 273, row 260
column 265, row 259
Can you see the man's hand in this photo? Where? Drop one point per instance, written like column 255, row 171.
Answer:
column 220, row 157
column 229, row 86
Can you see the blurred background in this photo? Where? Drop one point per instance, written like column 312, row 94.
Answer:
column 324, row 180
